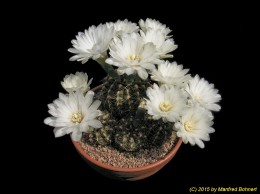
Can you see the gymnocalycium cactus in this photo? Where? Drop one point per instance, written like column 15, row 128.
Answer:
column 143, row 98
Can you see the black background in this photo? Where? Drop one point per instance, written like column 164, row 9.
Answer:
column 214, row 43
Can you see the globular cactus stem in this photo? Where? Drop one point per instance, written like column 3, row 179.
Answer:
column 128, row 137
column 122, row 98
column 104, row 135
column 140, row 114
column 126, row 123
column 157, row 131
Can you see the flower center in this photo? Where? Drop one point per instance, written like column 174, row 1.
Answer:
column 165, row 106
column 197, row 97
column 188, row 126
column 134, row 57
column 77, row 117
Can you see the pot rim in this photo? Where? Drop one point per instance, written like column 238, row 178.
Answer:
column 120, row 169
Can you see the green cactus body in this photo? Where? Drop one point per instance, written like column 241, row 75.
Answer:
column 122, row 98
column 104, row 135
column 158, row 131
column 126, row 123
column 128, row 137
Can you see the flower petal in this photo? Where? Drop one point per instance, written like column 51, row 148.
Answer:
column 95, row 123
column 76, row 135
column 60, row 131
column 142, row 73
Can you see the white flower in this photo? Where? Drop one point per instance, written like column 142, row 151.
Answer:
column 92, row 44
column 171, row 74
column 122, row 27
column 130, row 54
column 203, row 93
column 150, row 24
column 159, row 39
column 195, row 126
column 77, row 82
column 73, row 113
column 164, row 102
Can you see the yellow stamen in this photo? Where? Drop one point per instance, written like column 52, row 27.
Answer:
column 188, row 126
column 77, row 117
column 165, row 106
column 197, row 97
column 134, row 57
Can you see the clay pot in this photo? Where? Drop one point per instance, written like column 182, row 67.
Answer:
column 129, row 174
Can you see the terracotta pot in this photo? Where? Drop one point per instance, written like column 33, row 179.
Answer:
column 129, row 174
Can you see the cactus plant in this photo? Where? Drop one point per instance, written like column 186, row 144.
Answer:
column 144, row 99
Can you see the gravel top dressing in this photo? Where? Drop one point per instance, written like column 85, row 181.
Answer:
column 143, row 157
